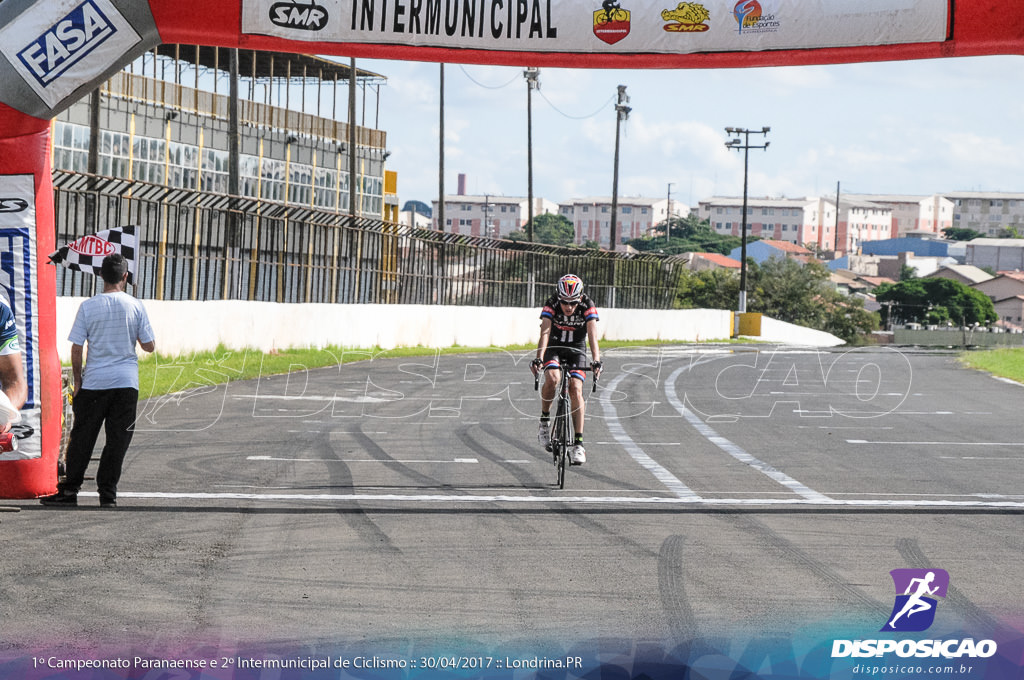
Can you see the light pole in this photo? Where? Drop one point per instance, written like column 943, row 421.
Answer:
column 532, row 75
column 668, row 216
column 737, row 143
column 621, row 114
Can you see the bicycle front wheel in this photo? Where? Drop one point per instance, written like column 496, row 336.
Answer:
column 561, row 440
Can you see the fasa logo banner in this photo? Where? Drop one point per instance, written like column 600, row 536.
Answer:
column 59, row 46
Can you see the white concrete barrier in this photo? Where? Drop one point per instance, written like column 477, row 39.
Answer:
column 183, row 327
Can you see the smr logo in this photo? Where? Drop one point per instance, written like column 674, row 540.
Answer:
column 305, row 17
column 916, row 590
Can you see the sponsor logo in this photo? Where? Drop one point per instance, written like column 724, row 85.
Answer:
column 916, row 590
column 922, row 649
column 914, row 611
column 92, row 245
column 687, row 17
column 301, row 16
column 753, row 16
column 67, row 42
column 12, row 205
column 611, row 22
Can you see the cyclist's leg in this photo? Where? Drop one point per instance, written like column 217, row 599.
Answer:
column 547, row 395
column 578, row 404
column 552, row 374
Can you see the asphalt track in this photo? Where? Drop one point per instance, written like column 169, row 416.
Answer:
column 730, row 490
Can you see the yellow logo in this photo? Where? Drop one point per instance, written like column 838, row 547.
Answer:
column 688, row 17
column 611, row 23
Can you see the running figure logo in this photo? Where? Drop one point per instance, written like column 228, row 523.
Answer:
column 916, row 589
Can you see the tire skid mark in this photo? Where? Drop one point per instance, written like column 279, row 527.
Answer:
column 672, row 587
column 341, row 476
column 790, row 552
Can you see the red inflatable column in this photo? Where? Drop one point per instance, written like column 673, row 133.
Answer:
column 26, row 239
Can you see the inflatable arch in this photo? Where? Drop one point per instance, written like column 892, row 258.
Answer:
column 53, row 52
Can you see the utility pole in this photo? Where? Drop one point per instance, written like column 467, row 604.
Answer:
column 668, row 216
column 353, row 209
column 440, row 160
column 835, row 246
column 532, row 75
column 621, row 114
column 744, row 144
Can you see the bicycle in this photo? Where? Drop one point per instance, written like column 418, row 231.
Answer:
column 562, row 431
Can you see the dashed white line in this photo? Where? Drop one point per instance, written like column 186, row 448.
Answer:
column 732, row 449
column 671, row 482
column 361, row 460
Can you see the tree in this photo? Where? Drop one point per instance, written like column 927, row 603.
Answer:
column 846, row 318
column 934, row 301
column 687, row 235
column 788, row 290
column 784, row 289
column 907, row 272
column 555, row 230
column 961, row 234
column 708, row 289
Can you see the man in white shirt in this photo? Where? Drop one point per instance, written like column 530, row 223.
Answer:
column 107, row 394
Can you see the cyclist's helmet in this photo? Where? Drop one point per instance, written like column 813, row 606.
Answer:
column 570, row 288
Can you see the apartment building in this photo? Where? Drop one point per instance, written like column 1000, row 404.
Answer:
column 637, row 217
column 987, row 212
column 999, row 254
column 488, row 215
column 802, row 221
column 912, row 214
column 796, row 220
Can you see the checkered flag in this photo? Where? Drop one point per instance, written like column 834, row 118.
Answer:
column 87, row 253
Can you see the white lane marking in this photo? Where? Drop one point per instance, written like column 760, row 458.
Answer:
column 1018, row 458
column 361, row 399
column 732, row 449
column 841, row 427
column 922, row 443
column 359, row 460
column 670, row 481
column 560, row 500
column 646, row 443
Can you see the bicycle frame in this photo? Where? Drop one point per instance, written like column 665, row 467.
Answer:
column 562, row 430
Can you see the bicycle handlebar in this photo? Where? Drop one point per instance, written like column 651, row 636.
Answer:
column 593, row 387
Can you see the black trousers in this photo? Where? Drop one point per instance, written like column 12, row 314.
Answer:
column 114, row 410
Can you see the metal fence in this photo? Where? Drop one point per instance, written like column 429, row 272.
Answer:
column 205, row 246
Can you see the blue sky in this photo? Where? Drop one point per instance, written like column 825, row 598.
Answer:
column 912, row 127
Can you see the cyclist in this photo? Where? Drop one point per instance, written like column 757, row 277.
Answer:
column 568, row 321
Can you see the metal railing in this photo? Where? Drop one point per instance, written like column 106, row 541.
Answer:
column 206, row 246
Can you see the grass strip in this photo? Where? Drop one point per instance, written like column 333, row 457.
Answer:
column 1006, row 362
column 161, row 374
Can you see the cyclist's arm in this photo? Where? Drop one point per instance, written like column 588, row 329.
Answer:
column 595, row 350
column 545, row 336
column 12, row 378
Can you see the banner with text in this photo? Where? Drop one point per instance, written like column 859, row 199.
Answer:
column 588, row 26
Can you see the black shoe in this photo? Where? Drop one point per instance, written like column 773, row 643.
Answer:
column 60, row 499
column 108, row 503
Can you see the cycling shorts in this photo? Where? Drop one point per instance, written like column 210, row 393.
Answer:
column 568, row 357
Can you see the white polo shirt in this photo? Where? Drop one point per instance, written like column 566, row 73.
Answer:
column 109, row 325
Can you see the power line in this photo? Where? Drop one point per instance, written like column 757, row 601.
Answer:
column 566, row 115
column 487, row 87
column 555, row 108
